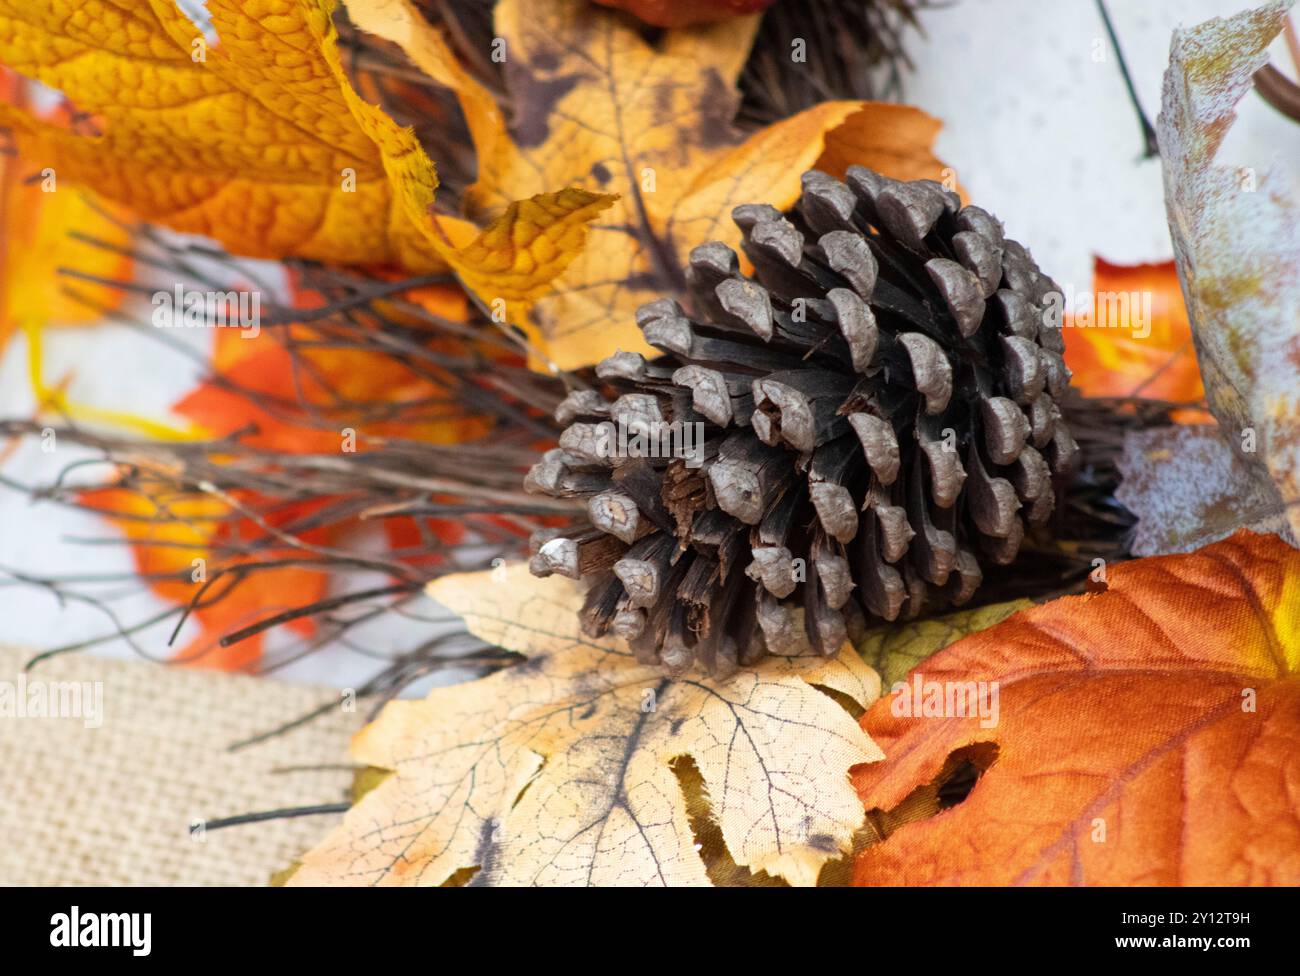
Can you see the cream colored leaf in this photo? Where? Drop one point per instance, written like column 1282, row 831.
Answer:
column 557, row 771
column 1237, row 243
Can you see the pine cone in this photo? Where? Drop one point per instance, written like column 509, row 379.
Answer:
column 878, row 410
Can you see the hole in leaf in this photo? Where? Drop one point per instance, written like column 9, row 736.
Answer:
column 461, row 878
column 531, row 780
column 365, row 779
column 961, row 771
column 196, row 12
column 845, row 702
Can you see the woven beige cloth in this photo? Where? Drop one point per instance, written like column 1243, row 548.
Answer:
column 114, row 804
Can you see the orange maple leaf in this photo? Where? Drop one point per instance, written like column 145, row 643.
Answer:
column 1145, row 735
column 177, row 540
column 1115, row 354
column 299, row 402
column 305, row 400
column 309, row 402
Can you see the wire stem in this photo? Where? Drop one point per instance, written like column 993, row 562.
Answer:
column 1152, row 146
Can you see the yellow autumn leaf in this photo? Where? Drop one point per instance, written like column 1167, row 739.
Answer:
column 891, row 139
column 399, row 22
column 521, row 251
column 250, row 144
column 599, row 106
column 259, row 141
column 35, row 242
column 37, row 219
column 560, row 769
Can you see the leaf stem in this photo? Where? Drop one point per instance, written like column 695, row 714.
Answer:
column 282, row 814
column 1152, row 148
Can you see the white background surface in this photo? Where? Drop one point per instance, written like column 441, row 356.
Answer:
column 1039, row 131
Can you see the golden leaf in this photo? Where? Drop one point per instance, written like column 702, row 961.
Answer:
column 521, row 251
column 559, row 770
column 251, row 144
column 1235, row 242
column 399, row 22
column 36, row 221
column 893, row 139
column 260, row 142
column 599, row 106
column 35, row 243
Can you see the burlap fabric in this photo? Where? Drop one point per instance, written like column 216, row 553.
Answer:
column 115, row 804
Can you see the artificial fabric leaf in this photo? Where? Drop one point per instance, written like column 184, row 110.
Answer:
column 895, row 649
column 1188, row 487
column 1237, row 244
column 259, row 141
column 559, row 770
column 250, row 142
column 522, row 250
column 1145, row 735
column 179, row 540
column 292, row 403
column 1125, row 349
column 895, row 140
column 399, row 22
column 525, row 246
column 301, row 402
column 37, row 217
column 597, row 105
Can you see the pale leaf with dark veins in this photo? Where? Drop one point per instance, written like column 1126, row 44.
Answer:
column 557, row 771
